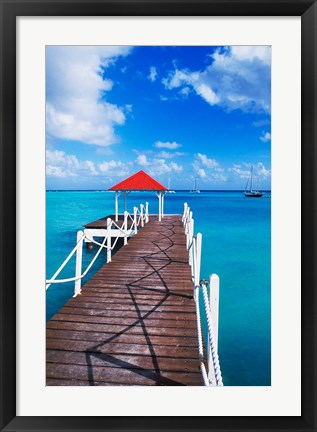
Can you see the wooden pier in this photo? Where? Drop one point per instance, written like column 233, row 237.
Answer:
column 134, row 322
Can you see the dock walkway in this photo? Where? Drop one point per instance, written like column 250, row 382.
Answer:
column 134, row 322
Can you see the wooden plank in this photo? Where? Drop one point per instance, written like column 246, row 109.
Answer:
column 136, row 288
column 116, row 376
column 127, row 301
column 169, row 314
column 133, row 361
column 147, row 309
column 121, row 338
column 133, row 304
column 123, row 322
column 115, row 329
column 101, row 293
column 135, row 321
column 73, row 382
column 120, row 348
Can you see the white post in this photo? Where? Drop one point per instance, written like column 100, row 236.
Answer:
column 160, row 198
column 186, row 217
column 109, row 223
column 185, row 209
column 198, row 258
column 125, row 228
column 79, row 256
column 125, row 201
column 214, row 284
column 141, row 215
column 189, row 232
column 117, row 206
column 214, row 312
column 146, row 212
column 191, row 226
column 135, row 220
column 191, row 237
column 163, row 196
column 192, row 258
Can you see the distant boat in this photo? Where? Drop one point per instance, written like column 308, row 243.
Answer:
column 250, row 193
column 195, row 190
column 169, row 186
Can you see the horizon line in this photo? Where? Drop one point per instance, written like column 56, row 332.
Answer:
column 176, row 190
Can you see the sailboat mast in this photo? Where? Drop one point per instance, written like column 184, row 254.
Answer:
column 251, row 178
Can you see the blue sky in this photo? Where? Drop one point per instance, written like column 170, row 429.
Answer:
column 175, row 112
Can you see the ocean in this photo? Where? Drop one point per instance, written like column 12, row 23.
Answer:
column 236, row 245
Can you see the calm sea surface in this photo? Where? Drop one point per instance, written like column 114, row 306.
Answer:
column 236, row 245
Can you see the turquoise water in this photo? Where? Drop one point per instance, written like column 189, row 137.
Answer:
column 236, row 245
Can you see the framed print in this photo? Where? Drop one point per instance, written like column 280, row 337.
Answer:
column 180, row 113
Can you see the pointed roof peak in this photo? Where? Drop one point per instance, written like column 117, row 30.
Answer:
column 140, row 181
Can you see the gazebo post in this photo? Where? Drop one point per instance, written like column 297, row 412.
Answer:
column 160, row 205
column 163, row 195
column 117, row 205
column 125, row 201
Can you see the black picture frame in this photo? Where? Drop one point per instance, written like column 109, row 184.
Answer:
column 10, row 9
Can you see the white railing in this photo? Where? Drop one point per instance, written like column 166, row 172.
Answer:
column 139, row 218
column 211, row 307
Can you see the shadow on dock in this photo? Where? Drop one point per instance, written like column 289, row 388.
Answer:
column 134, row 323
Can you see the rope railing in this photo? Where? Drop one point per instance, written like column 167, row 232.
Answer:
column 194, row 247
column 112, row 227
column 215, row 374
column 75, row 278
column 52, row 280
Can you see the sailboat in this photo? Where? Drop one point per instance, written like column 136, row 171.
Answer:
column 169, row 186
column 250, row 193
column 195, row 190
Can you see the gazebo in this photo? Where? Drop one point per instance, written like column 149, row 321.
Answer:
column 139, row 182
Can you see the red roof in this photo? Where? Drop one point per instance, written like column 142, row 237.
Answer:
column 139, row 181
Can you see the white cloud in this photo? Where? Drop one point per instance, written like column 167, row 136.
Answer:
column 54, row 171
column 261, row 171
column 168, row 155
column 175, row 167
column 207, row 93
column 201, row 172
column 239, row 171
column 169, row 145
column 253, row 52
column 237, row 77
column 185, row 91
column 266, row 136
column 60, row 164
column 243, row 170
column 219, row 177
column 158, row 166
column 207, row 168
column 176, row 79
column 128, row 108
column 209, row 163
column 153, row 74
column 75, row 89
column 114, row 168
column 142, row 160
